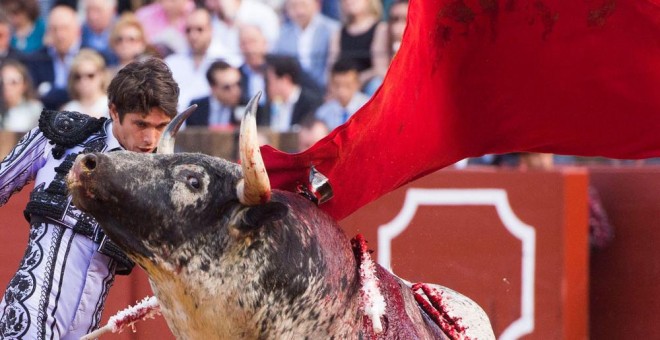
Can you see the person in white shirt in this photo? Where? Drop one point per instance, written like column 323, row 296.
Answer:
column 21, row 110
column 307, row 36
column 87, row 85
column 189, row 68
column 230, row 15
column 344, row 93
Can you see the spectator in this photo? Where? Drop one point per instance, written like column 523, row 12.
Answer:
column 230, row 15
column 190, row 67
column 289, row 103
column 363, row 39
column 128, row 41
column 164, row 23
column 344, row 91
column 60, row 287
column 49, row 66
column 397, row 18
column 88, row 81
column 29, row 27
column 254, row 49
column 21, row 112
column 276, row 5
column 219, row 110
column 307, row 36
column 100, row 16
column 311, row 131
column 6, row 50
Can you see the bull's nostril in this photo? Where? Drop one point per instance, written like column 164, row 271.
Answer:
column 89, row 162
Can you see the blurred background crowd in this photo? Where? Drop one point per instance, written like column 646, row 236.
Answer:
column 316, row 61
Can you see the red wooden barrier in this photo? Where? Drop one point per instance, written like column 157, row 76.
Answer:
column 514, row 242
column 625, row 293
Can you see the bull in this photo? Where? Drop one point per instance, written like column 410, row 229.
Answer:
column 229, row 258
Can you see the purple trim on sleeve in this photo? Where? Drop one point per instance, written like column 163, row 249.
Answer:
column 22, row 164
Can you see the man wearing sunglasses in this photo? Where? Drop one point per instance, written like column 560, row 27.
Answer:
column 190, row 67
column 59, row 289
column 220, row 110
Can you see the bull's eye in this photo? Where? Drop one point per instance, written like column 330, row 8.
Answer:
column 193, row 182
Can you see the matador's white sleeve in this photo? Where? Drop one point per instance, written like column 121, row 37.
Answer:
column 22, row 163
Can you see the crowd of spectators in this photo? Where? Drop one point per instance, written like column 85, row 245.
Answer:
column 315, row 61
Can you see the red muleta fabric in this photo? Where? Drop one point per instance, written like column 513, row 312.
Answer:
column 478, row 77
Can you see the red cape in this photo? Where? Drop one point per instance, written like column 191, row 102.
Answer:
column 478, row 77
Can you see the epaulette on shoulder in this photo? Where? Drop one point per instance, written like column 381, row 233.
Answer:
column 67, row 129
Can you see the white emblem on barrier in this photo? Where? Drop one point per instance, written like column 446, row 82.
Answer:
column 495, row 197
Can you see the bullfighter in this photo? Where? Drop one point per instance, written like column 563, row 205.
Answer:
column 69, row 265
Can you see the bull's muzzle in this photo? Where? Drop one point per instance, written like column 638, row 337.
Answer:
column 82, row 168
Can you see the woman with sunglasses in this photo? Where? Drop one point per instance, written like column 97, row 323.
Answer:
column 128, row 41
column 21, row 110
column 87, row 84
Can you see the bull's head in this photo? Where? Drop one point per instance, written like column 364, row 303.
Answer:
column 217, row 245
column 203, row 191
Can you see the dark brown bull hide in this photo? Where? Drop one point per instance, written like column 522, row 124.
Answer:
column 221, row 269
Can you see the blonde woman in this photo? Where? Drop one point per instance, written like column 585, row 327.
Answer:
column 21, row 110
column 128, row 41
column 88, row 81
column 363, row 40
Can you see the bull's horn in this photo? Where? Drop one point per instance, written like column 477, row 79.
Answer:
column 254, row 188
column 166, row 142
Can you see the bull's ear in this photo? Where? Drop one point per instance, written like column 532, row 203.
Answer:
column 258, row 215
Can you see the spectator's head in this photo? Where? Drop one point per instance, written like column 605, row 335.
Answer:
column 398, row 14
column 127, row 38
column 174, row 8
column 283, row 74
column 344, row 81
column 143, row 98
column 353, row 9
column 311, row 131
column 5, row 31
column 87, row 76
column 21, row 12
column 224, row 9
column 225, row 83
column 536, row 161
column 199, row 31
column 302, row 11
column 16, row 83
column 99, row 14
column 254, row 45
column 63, row 29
